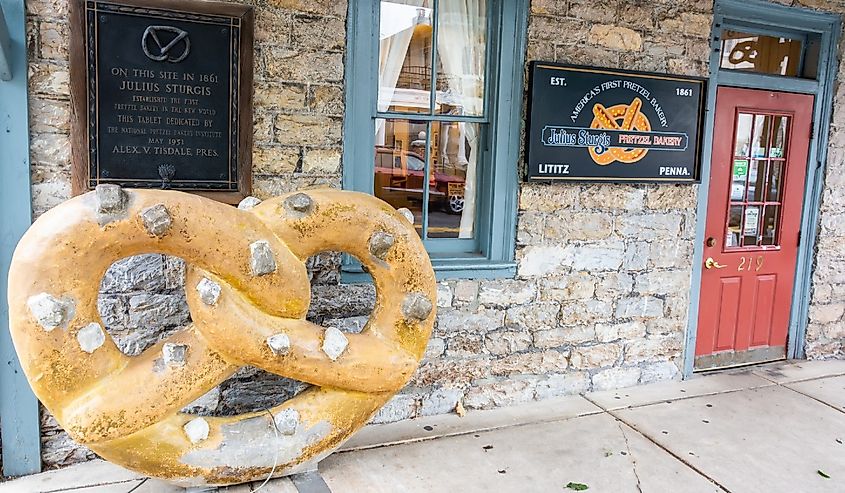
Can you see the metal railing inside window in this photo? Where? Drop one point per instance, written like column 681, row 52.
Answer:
column 431, row 114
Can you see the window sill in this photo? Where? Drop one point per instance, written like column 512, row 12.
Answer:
column 445, row 269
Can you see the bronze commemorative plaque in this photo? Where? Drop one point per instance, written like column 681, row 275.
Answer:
column 162, row 95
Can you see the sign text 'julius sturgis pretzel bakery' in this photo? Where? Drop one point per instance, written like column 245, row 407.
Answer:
column 591, row 124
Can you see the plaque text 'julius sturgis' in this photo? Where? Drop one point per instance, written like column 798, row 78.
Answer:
column 163, row 96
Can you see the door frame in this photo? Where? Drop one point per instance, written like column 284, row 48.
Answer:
column 18, row 405
column 765, row 17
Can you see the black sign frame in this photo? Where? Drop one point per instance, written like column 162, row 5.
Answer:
column 533, row 139
column 198, row 141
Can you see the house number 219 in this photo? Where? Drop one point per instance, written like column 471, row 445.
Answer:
column 747, row 263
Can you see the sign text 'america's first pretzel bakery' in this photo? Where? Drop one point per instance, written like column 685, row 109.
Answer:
column 591, row 124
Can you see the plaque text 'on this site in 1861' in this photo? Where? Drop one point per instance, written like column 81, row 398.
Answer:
column 162, row 95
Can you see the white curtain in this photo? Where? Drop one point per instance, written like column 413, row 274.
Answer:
column 393, row 46
column 461, row 47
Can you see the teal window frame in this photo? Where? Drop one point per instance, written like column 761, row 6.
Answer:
column 499, row 178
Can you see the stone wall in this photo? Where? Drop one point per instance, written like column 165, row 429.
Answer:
column 601, row 295
column 826, row 327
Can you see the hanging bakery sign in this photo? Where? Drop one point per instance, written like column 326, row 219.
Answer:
column 594, row 124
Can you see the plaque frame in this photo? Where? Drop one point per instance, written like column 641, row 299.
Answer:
column 81, row 179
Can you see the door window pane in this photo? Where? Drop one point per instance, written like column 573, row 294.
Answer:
column 775, row 178
column 756, row 181
column 742, row 145
column 779, row 137
column 759, row 53
column 750, row 225
column 405, row 44
column 732, row 236
column 771, row 225
column 461, row 49
column 761, row 134
column 399, row 166
column 452, row 180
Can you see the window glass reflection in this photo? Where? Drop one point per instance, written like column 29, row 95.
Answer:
column 762, row 54
column 452, row 180
column 405, row 44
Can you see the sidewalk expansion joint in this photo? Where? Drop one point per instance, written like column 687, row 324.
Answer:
column 672, row 454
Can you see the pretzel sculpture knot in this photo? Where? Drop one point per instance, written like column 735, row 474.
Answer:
column 248, row 293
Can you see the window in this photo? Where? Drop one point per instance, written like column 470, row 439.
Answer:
column 776, row 54
column 433, row 115
column 756, row 188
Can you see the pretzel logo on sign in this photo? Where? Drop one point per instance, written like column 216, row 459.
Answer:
column 248, row 292
column 619, row 117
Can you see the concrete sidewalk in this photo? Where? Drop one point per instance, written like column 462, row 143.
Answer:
column 774, row 428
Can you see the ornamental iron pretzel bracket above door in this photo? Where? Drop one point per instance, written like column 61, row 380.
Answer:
column 248, row 292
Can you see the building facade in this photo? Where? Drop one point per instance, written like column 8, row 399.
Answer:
column 547, row 288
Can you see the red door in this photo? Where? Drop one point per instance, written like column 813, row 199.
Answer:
column 759, row 161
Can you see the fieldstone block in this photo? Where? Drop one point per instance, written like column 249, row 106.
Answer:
column 457, row 372
column 451, row 321
column 642, row 307
column 321, row 161
column 309, row 130
column 613, row 285
column 602, row 256
column 615, row 378
column 157, row 310
column 625, row 331
column 658, row 372
column 114, row 311
column 343, row 300
column 597, row 356
column 138, row 273
column 826, row 313
column 616, row 197
column 399, row 407
column 646, row 227
column 653, row 349
column 440, row 401
column 491, row 393
column 585, row 311
column 507, row 341
column 547, row 198
column 349, row 325
column 251, row 389
column 466, row 291
column 536, row 316
column 174, row 273
column 663, row 282
column 464, row 345
column 506, row 292
column 564, row 336
column 544, row 260
column 530, row 227
column 444, row 295
column 204, row 405
column 577, row 285
column 578, row 226
column 435, row 348
column 615, row 37
column 637, row 254
column 563, row 384
column 531, row 363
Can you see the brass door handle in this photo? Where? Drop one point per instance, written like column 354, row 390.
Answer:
column 710, row 263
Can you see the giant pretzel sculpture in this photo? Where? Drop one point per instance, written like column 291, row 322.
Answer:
column 248, row 293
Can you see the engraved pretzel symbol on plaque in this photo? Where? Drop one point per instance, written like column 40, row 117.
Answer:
column 619, row 117
column 166, row 51
column 248, row 292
